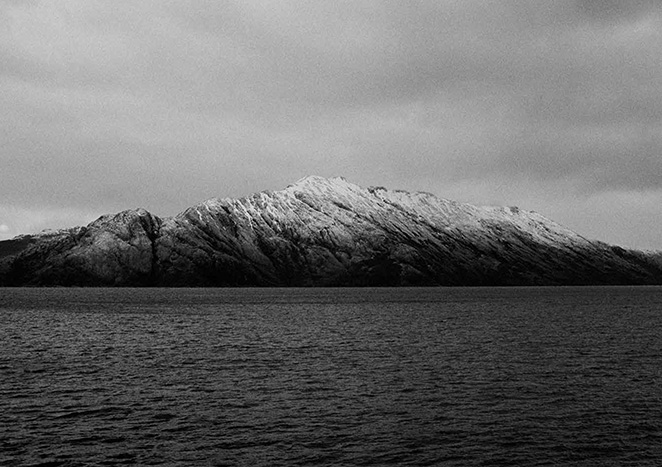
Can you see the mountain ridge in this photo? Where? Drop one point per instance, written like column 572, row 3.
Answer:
column 323, row 232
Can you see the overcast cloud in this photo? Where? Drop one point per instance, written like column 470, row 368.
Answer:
column 553, row 106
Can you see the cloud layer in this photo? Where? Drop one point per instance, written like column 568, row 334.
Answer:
column 554, row 106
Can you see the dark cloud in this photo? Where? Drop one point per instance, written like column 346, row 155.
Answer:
column 164, row 103
column 616, row 11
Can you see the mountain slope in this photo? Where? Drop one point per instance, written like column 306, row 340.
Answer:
column 321, row 232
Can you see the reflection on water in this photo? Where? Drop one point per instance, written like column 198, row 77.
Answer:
column 264, row 377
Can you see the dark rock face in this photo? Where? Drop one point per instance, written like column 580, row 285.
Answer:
column 323, row 232
column 113, row 250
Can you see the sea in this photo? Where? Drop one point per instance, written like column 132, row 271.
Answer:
column 331, row 376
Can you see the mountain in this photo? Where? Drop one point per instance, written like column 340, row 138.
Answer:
column 323, row 232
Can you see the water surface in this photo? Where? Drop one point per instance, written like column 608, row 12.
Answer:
column 265, row 377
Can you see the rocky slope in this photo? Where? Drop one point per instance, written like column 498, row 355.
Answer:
column 323, row 232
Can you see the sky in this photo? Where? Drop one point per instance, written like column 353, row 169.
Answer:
column 551, row 106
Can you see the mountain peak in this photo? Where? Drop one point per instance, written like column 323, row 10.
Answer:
column 318, row 181
column 321, row 186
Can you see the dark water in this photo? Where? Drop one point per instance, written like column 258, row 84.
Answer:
column 292, row 377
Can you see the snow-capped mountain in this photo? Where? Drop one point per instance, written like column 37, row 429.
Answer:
column 323, row 232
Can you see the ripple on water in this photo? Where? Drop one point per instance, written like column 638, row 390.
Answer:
column 331, row 377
